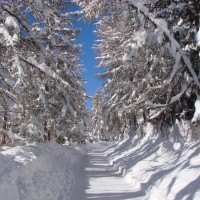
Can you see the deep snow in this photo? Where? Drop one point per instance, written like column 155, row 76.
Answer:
column 158, row 168
column 38, row 172
column 147, row 169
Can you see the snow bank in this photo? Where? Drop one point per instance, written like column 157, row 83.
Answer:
column 158, row 168
column 38, row 172
column 196, row 116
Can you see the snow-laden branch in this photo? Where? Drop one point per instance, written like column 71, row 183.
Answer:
column 12, row 96
column 41, row 93
column 174, row 69
column 196, row 116
column 49, row 72
column 10, row 39
column 144, row 96
column 162, row 24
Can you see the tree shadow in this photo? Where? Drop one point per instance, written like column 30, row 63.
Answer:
column 189, row 191
column 126, row 156
column 99, row 167
column 117, row 196
column 80, row 183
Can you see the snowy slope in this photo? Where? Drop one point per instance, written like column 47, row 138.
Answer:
column 158, row 168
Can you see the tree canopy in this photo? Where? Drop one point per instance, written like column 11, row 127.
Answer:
column 42, row 93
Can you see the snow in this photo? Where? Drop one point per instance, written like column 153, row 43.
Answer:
column 198, row 37
column 4, row 33
column 42, row 97
column 20, row 73
column 196, row 116
column 38, row 172
column 135, row 168
column 10, row 22
column 158, row 169
column 175, row 46
column 140, row 37
column 48, row 71
column 133, row 52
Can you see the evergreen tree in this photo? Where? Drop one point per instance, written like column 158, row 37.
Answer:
column 40, row 73
column 150, row 50
column 98, row 117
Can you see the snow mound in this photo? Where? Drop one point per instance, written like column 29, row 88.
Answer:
column 38, row 172
column 158, row 168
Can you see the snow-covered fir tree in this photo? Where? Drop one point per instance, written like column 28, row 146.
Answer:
column 41, row 84
column 151, row 52
column 98, row 117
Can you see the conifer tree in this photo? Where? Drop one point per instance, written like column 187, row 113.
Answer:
column 150, row 51
column 41, row 71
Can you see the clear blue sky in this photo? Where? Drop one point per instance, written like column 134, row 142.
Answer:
column 87, row 39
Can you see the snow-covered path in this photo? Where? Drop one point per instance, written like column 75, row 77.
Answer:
column 48, row 171
column 156, row 169
column 100, row 180
column 105, row 181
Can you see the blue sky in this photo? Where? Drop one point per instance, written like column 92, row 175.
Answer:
column 87, row 39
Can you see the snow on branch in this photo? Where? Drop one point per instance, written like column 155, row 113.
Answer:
column 162, row 24
column 49, row 72
column 174, row 70
column 196, row 116
column 178, row 96
column 198, row 37
column 12, row 96
column 10, row 39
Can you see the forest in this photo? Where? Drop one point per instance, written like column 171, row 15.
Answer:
column 140, row 140
column 150, row 50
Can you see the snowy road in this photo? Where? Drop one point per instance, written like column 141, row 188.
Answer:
column 102, row 181
column 48, row 171
column 106, row 182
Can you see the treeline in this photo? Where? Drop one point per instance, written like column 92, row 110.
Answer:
column 41, row 89
column 151, row 53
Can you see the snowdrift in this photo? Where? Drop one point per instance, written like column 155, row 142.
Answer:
column 158, row 168
column 38, row 172
column 155, row 167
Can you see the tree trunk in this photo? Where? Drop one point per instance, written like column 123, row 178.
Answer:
column 145, row 114
column 46, row 131
column 4, row 135
column 49, row 135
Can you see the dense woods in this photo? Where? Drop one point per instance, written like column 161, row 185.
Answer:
column 150, row 50
column 42, row 95
column 140, row 139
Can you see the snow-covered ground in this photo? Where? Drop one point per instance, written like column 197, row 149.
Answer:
column 145, row 169
column 38, row 172
column 158, row 168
